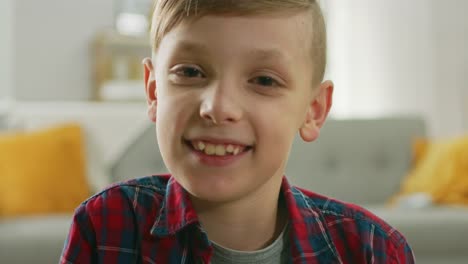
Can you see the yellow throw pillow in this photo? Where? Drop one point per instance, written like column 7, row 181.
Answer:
column 42, row 172
column 441, row 172
column 420, row 146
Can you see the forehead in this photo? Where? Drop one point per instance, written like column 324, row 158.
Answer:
column 265, row 36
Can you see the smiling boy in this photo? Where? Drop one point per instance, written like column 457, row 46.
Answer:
column 229, row 85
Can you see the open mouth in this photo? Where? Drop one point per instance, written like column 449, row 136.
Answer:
column 220, row 150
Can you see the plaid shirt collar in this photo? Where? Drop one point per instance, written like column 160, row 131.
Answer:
column 307, row 222
column 177, row 211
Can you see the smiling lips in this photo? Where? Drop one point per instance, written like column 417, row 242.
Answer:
column 212, row 149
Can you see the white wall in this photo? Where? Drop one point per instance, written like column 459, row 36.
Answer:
column 400, row 57
column 52, row 40
column 6, row 48
column 451, row 26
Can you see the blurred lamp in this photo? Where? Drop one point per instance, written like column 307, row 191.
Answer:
column 132, row 24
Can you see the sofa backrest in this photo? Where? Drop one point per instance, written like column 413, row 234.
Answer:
column 4, row 114
column 141, row 157
column 3, row 121
column 359, row 160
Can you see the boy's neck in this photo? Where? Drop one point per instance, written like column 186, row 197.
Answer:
column 249, row 224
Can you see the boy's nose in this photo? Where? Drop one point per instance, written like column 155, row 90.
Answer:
column 219, row 107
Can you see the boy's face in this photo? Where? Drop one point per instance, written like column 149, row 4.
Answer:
column 228, row 94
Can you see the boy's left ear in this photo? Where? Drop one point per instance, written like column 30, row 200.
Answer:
column 317, row 112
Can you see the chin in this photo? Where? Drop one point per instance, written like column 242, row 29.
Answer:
column 213, row 197
column 214, row 190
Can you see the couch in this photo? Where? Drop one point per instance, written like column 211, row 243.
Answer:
column 361, row 161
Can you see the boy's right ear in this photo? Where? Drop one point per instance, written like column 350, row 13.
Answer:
column 150, row 88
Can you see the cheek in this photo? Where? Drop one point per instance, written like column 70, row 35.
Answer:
column 174, row 113
column 283, row 123
column 275, row 131
column 171, row 121
column 283, row 117
column 162, row 130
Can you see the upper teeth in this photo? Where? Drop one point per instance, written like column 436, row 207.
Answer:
column 218, row 149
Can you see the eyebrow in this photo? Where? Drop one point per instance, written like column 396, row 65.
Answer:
column 191, row 47
column 267, row 54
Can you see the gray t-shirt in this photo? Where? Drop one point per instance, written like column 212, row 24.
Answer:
column 277, row 252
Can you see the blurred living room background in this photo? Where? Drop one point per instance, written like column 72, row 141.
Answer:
column 385, row 57
column 72, row 113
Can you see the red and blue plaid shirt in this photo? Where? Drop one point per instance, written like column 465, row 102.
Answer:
column 151, row 220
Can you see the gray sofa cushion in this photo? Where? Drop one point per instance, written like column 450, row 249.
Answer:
column 3, row 120
column 431, row 230
column 359, row 160
column 140, row 158
column 38, row 239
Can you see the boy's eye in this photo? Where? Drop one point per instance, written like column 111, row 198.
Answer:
column 265, row 81
column 189, row 72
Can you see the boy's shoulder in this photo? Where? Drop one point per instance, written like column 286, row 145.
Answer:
column 152, row 186
column 137, row 198
column 347, row 219
column 120, row 223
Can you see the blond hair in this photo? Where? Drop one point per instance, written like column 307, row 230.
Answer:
column 170, row 13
